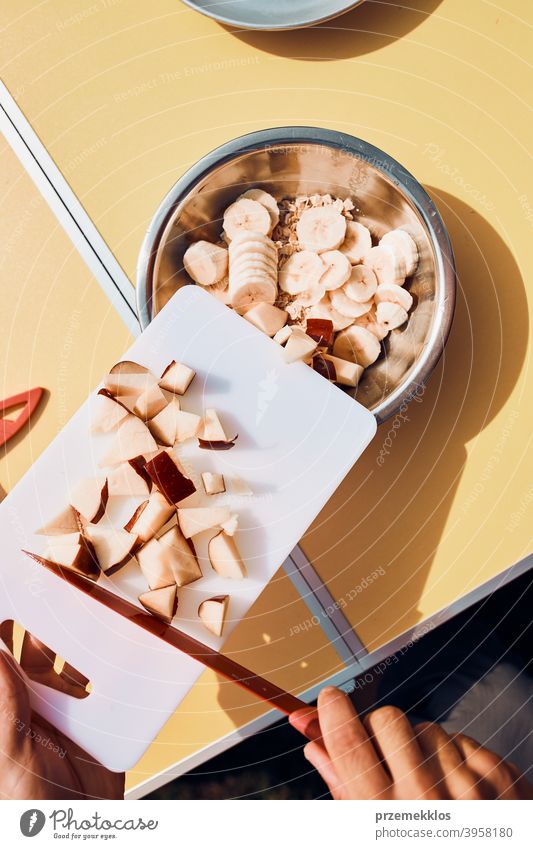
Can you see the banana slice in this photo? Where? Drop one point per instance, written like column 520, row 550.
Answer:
column 268, row 201
column 205, row 263
column 390, row 315
column 248, row 215
column 310, row 297
column 386, row 264
column 356, row 242
column 370, row 323
column 325, row 309
column 247, row 290
column 403, row 244
column 254, row 245
column 254, row 260
column 394, row 294
column 321, row 229
column 338, row 270
column 362, row 284
column 343, row 304
column 302, row 271
column 357, row 345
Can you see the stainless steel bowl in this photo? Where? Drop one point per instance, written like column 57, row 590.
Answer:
column 274, row 14
column 306, row 160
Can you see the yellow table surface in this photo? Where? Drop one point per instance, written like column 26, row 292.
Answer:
column 126, row 96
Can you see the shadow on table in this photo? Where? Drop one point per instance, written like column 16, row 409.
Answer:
column 394, row 515
column 371, row 26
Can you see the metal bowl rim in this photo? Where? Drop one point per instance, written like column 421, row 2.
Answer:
column 392, row 170
column 222, row 19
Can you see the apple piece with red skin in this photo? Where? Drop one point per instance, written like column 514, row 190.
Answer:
column 132, row 439
column 110, row 412
column 130, row 479
column 74, row 552
column 128, row 367
column 150, row 517
column 150, row 403
column 66, row 522
column 225, row 557
column 113, row 546
column 321, row 330
column 169, row 479
column 195, row 520
column 128, row 385
column 211, row 429
column 187, row 425
column 164, row 425
column 212, row 612
column 177, row 378
column 299, row 346
column 162, row 602
column 89, row 498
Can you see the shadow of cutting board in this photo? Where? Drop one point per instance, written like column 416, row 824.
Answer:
column 298, row 437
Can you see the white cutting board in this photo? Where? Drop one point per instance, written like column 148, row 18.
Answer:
column 298, row 437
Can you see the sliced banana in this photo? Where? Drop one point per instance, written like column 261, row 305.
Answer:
column 267, row 200
column 390, row 315
column 325, row 309
column 321, row 229
column 205, row 263
column 247, row 290
column 310, row 297
column 254, row 259
column 245, row 214
column 357, row 345
column 338, row 270
column 302, row 271
column 343, row 304
column 263, row 246
column 362, row 284
column 394, row 294
column 370, row 323
column 387, row 265
column 402, row 243
column 357, row 242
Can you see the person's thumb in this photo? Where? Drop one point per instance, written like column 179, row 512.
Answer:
column 15, row 711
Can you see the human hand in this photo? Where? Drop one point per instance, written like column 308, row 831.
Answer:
column 384, row 757
column 36, row 760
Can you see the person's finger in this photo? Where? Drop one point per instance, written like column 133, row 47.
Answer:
column 493, row 771
column 319, row 758
column 393, row 736
column 15, row 709
column 354, row 758
column 446, row 762
column 306, row 722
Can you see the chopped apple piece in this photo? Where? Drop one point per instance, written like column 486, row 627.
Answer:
column 267, row 318
column 124, row 384
column 283, row 334
column 321, row 330
column 212, row 612
column 109, row 413
column 66, row 522
column 213, row 483
column 150, row 403
column 78, row 555
column 150, row 517
column 230, row 527
column 299, row 346
column 168, row 559
column 349, row 374
column 194, row 520
column 169, row 478
column 325, row 368
column 184, row 564
column 128, row 367
column 162, row 602
column 225, row 558
column 211, row 429
column 113, row 546
column 132, row 439
column 164, row 426
column 176, row 378
column 240, row 487
column 130, row 478
column 89, row 498
column 187, row 425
